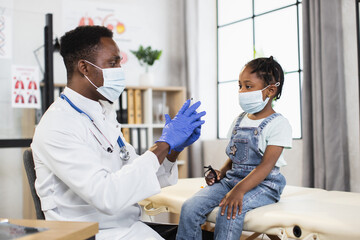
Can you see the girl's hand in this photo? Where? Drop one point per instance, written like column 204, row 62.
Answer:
column 210, row 177
column 233, row 201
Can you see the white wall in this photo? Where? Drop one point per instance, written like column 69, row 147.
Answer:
column 156, row 25
column 293, row 171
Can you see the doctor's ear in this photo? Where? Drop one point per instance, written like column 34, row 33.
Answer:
column 82, row 67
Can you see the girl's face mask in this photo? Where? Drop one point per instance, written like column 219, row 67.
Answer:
column 252, row 102
column 114, row 82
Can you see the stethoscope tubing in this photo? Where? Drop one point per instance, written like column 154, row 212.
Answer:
column 124, row 154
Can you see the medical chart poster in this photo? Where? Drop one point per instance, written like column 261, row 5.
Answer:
column 6, row 28
column 25, row 89
column 119, row 18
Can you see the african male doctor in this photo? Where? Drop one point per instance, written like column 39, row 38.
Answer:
column 85, row 170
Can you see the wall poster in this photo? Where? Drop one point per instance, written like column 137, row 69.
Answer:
column 116, row 17
column 25, row 87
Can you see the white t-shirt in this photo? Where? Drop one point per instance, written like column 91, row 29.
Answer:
column 277, row 132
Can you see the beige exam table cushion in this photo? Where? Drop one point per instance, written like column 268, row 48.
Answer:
column 320, row 214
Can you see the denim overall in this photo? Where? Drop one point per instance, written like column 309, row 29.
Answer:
column 245, row 156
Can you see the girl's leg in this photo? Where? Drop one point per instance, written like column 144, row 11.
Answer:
column 231, row 229
column 195, row 209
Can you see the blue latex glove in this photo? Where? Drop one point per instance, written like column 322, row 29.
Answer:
column 176, row 131
column 193, row 137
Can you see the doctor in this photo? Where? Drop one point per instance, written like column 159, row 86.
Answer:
column 85, row 170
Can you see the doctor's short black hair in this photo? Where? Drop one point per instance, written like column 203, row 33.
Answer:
column 268, row 70
column 81, row 43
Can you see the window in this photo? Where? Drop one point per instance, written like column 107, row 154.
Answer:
column 249, row 29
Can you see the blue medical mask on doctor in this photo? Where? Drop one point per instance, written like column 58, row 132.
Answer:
column 114, row 82
column 252, row 102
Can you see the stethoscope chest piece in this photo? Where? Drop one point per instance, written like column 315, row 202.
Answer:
column 124, row 154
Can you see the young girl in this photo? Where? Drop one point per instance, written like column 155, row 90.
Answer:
column 250, row 178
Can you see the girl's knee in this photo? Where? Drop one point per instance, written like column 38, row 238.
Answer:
column 191, row 207
column 188, row 206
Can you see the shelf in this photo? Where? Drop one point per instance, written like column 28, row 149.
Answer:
column 181, row 162
column 144, row 125
column 158, row 125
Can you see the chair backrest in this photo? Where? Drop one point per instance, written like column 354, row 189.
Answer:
column 31, row 175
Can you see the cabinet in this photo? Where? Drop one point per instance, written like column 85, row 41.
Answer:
column 153, row 103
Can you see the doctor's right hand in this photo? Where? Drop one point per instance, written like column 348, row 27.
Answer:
column 193, row 137
column 181, row 127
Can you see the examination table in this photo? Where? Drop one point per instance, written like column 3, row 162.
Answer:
column 301, row 213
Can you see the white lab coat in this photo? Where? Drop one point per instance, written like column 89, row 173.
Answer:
column 77, row 180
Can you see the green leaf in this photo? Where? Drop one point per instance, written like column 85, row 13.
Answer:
column 146, row 55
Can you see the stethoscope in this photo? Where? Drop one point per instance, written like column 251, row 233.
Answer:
column 124, row 153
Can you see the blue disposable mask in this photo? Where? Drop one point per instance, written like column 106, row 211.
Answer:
column 114, row 82
column 252, row 102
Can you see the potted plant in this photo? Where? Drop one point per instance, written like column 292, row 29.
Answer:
column 146, row 57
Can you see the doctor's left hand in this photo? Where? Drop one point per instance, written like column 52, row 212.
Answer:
column 180, row 131
column 193, row 138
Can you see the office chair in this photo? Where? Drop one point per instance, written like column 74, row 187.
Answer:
column 30, row 172
column 31, row 175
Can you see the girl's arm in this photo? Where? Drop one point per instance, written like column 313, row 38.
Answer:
column 227, row 166
column 233, row 199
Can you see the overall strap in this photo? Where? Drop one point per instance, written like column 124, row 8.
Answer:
column 267, row 121
column 241, row 116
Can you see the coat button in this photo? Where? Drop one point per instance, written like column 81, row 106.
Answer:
column 255, row 131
